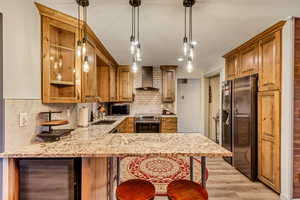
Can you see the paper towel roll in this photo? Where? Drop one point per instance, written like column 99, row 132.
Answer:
column 83, row 117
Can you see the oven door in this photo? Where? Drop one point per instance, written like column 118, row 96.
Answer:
column 147, row 127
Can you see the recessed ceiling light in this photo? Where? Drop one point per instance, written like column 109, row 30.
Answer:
column 180, row 59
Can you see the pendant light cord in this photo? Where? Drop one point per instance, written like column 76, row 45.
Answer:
column 78, row 20
column 185, row 22
column 134, row 17
column 85, row 21
column 132, row 21
column 138, row 24
column 190, row 24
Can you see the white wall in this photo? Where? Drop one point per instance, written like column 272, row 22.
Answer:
column 22, row 46
column 218, row 70
column 182, row 72
column 287, row 110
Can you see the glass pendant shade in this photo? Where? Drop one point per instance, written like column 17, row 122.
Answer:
column 188, row 43
column 135, row 47
column 86, row 66
column 79, row 48
column 134, row 67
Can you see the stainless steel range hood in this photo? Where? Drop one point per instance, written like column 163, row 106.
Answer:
column 147, row 79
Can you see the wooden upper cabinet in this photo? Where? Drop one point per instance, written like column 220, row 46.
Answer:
column 63, row 78
column 113, row 84
column 103, row 83
column 270, row 62
column 269, row 138
column 125, row 83
column 168, row 83
column 89, row 79
column 231, row 66
column 61, row 67
column 248, row 60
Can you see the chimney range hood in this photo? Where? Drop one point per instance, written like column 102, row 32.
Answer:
column 147, row 79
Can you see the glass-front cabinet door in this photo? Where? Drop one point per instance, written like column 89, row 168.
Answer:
column 61, row 66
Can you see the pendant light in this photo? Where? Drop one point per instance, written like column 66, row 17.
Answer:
column 82, row 42
column 188, row 43
column 135, row 45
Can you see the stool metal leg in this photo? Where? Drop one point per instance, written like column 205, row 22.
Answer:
column 203, row 170
column 192, row 168
column 118, row 171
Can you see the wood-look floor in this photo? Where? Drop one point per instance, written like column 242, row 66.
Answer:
column 226, row 183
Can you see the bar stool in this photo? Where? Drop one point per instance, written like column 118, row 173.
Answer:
column 186, row 190
column 135, row 189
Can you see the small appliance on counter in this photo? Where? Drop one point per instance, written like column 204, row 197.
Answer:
column 53, row 134
column 102, row 112
column 83, row 117
column 167, row 112
column 119, row 109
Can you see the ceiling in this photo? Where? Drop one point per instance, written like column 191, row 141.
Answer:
column 219, row 26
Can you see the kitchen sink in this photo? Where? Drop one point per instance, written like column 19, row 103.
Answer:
column 104, row 122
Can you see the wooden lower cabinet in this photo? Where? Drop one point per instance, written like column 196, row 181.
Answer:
column 130, row 125
column 127, row 126
column 94, row 181
column 168, row 125
column 58, row 179
column 269, row 138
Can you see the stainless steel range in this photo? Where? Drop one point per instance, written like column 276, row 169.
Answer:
column 147, row 123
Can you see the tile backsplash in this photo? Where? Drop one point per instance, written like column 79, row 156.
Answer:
column 150, row 101
column 16, row 136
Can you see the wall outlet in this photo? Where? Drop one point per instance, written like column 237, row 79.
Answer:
column 23, row 122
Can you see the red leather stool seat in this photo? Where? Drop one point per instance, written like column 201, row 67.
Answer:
column 135, row 189
column 186, row 190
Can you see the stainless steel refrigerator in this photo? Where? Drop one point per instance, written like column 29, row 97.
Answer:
column 239, row 122
column 245, row 125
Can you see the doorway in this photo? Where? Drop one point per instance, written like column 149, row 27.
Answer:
column 214, row 108
column 189, row 105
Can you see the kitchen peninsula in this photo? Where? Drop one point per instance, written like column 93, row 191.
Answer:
column 92, row 148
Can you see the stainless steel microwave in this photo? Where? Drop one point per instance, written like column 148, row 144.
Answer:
column 120, row 109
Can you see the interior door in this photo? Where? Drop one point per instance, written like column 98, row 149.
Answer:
column 188, row 105
column 214, row 107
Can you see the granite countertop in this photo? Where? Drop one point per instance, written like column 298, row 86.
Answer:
column 95, row 141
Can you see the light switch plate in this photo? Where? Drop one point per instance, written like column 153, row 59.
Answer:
column 23, row 122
